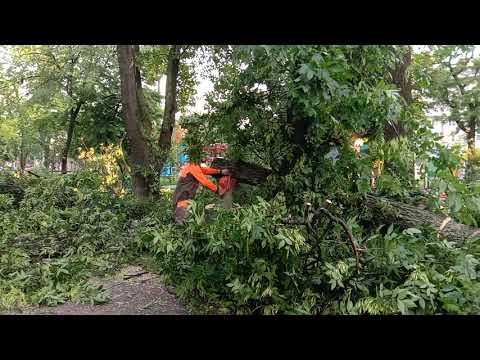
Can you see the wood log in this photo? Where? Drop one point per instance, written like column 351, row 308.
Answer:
column 406, row 216
column 12, row 189
column 242, row 171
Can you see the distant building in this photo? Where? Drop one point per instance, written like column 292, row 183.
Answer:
column 72, row 165
column 452, row 135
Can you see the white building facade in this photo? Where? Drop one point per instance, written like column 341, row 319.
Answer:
column 452, row 135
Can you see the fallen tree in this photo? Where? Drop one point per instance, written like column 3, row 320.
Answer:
column 8, row 186
column 405, row 215
column 385, row 210
column 244, row 172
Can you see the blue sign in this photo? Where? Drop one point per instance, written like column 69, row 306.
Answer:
column 166, row 171
column 182, row 158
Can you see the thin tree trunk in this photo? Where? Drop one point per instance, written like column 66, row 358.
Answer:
column 471, row 134
column 23, row 152
column 165, row 140
column 139, row 154
column 46, row 153
column 227, row 200
column 71, row 125
column 23, row 158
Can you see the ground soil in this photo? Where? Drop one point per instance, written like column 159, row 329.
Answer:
column 132, row 291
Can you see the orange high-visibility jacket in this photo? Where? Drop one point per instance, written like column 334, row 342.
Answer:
column 191, row 176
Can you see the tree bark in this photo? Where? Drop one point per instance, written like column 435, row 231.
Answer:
column 46, row 153
column 243, row 172
column 72, row 119
column 471, row 134
column 23, row 159
column 401, row 78
column 144, row 115
column 165, row 139
column 404, row 215
column 139, row 154
column 23, row 153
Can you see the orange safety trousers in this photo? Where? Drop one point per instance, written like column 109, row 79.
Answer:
column 183, row 204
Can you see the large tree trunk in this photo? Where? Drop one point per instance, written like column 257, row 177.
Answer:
column 139, row 154
column 165, row 139
column 386, row 210
column 404, row 215
column 144, row 114
column 400, row 77
column 72, row 119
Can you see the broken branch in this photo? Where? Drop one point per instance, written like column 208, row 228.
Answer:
column 347, row 230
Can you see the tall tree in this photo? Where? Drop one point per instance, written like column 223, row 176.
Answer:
column 294, row 107
column 150, row 139
column 139, row 152
column 18, row 130
column 66, row 77
column 455, row 87
column 165, row 139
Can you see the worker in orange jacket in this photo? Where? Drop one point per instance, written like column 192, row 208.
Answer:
column 191, row 176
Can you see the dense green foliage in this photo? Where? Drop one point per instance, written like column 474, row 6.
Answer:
column 454, row 88
column 293, row 109
column 242, row 261
column 61, row 233
column 248, row 261
column 454, row 83
column 286, row 106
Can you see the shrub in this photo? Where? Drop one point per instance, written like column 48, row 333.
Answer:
column 63, row 231
column 247, row 261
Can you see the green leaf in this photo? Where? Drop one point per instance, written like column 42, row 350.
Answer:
column 421, row 302
column 412, row 231
column 442, row 186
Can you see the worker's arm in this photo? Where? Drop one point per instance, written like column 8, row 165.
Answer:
column 202, row 179
column 210, row 171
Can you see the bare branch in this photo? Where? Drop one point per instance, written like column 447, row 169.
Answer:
column 461, row 125
column 455, row 76
column 183, row 50
column 347, row 230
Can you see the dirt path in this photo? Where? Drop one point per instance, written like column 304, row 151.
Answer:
column 133, row 291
